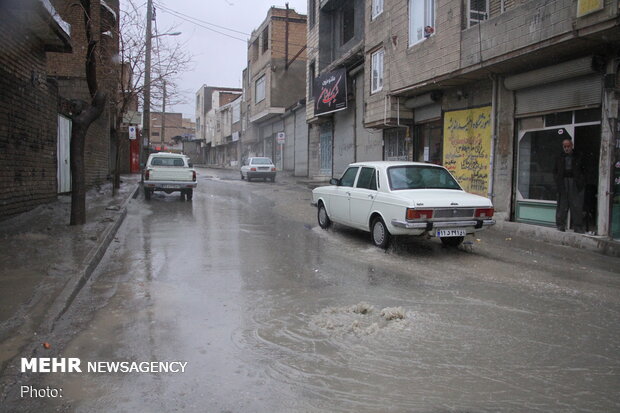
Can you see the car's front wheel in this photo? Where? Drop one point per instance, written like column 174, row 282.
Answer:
column 323, row 218
column 452, row 241
column 379, row 233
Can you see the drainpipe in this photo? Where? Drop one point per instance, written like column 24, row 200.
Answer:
column 495, row 80
column 286, row 39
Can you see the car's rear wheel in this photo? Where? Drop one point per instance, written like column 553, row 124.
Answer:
column 379, row 233
column 323, row 218
column 452, row 241
column 147, row 194
column 189, row 194
column 242, row 178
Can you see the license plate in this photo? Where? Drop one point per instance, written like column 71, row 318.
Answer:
column 170, row 186
column 265, row 168
column 451, row 233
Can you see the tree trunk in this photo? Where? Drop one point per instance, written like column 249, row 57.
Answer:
column 116, row 135
column 82, row 119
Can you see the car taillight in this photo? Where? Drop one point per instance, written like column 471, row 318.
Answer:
column 193, row 175
column 273, row 169
column 147, row 174
column 484, row 212
column 419, row 214
column 253, row 169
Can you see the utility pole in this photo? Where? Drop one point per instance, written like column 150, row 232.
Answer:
column 163, row 118
column 146, row 114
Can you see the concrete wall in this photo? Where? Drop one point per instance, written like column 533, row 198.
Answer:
column 344, row 139
column 301, row 143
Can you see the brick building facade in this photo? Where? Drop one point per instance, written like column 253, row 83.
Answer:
column 28, row 104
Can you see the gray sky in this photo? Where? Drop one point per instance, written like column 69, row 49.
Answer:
column 218, row 59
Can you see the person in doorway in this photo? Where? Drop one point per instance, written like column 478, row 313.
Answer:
column 568, row 172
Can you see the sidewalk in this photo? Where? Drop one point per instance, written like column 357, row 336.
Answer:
column 44, row 261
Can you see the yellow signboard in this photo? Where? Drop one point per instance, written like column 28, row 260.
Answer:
column 467, row 147
column 588, row 6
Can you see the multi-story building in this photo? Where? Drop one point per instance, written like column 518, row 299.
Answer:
column 208, row 100
column 335, row 88
column 490, row 89
column 274, row 88
column 32, row 168
column 164, row 128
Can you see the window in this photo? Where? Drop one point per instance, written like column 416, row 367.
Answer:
column 478, row 11
column 236, row 112
column 259, row 93
column 377, row 8
column 348, row 178
column 347, row 23
column 265, row 39
column 311, row 76
column 421, row 20
column 311, row 13
column 420, row 177
column 377, row 71
column 394, row 144
column 367, row 179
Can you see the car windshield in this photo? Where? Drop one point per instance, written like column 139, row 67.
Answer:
column 162, row 161
column 420, row 177
column 261, row 161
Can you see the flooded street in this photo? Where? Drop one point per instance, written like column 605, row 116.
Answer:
column 273, row 314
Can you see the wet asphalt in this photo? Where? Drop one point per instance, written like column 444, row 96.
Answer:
column 273, row 314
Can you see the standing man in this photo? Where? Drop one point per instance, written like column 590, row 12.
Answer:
column 568, row 172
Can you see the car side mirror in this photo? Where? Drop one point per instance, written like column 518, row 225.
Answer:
column 334, row 181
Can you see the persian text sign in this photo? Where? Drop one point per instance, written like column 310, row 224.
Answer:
column 467, row 147
column 330, row 92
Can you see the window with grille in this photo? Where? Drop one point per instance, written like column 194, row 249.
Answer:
column 478, row 11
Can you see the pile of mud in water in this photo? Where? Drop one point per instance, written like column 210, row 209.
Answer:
column 361, row 319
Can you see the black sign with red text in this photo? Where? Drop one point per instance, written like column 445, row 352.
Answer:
column 330, row 92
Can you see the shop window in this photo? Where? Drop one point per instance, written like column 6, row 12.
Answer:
column 537, row 150
column 429, row 142
column 588, row 115
column 560, row 118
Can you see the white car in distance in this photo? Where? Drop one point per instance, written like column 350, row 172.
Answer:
column 402, row 198
column 169, row 172
column 258, row 167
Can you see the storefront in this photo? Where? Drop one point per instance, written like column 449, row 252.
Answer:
column 553, row 104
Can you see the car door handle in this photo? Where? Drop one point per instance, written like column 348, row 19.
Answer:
column 348, row 193
column 371, row 196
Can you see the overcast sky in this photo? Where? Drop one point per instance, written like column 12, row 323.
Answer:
column 219, row 59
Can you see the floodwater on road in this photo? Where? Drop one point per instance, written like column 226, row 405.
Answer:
column 276, row 315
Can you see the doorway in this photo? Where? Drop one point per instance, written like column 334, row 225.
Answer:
column 588, row 144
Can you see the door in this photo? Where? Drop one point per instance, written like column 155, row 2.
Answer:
column 341, row 196
column 325, row 149
column 588, row 144
column 362, row 197
column 63, row 161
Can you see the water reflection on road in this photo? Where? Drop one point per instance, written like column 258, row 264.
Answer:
column 273, row 315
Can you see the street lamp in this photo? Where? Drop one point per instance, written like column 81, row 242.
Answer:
column 146, row 117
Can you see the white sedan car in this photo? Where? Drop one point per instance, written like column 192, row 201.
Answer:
column 402, row 198
column 258, row 167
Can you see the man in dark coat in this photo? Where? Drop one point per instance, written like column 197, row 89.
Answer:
column 568, row 172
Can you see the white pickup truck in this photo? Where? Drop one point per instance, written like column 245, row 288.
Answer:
column 169, row 172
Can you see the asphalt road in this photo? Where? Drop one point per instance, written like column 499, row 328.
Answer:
column 272, row 314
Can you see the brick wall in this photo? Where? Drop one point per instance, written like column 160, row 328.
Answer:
column 70, row 72
column 28, row 122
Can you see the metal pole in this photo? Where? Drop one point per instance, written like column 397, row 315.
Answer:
column 163, row 119
column 146, row 118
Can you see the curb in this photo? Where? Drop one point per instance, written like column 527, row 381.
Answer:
column 74, row 285
column 549, row 235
